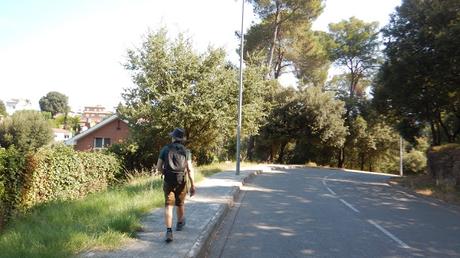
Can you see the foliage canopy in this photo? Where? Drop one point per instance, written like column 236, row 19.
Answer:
column 54, row 102
column 25, row 129
column 176, row 87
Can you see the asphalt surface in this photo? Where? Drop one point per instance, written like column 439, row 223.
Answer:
column 332, row 213
column 204, row 211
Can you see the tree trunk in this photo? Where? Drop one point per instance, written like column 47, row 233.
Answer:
column 362, row 161
column 272, row 153
column 281, row 154
column 66, row 127
column 341, row 157
column 450, row 137
column 274, row 39
column 436, row 140
column 352, row 84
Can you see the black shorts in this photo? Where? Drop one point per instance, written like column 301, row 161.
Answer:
column 174, row 194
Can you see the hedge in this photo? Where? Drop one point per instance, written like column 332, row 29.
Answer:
column 12, row 163
column 52, row 173
column 60, row 173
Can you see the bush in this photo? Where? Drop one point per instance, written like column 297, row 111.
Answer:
column 128, row 154
column 12, row 164
column 135, row 154
column 414, row 162
column 27, row 130
column 60, row 173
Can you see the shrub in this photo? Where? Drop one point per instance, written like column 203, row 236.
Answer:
column 414, row 162
column 128, row 154
column 12, row 164
column 60, row 173
column 27, row 130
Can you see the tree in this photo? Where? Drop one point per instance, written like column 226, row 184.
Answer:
column 282, row 23
column 25, row 129
column 2, row 109
column 354, row 45
column 69, row 122
column 176, row 87
column 309, row 57
column 54, row 102
column 305, row 116
column 419, row 84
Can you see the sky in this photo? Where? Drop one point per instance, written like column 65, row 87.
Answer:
column 78, row 47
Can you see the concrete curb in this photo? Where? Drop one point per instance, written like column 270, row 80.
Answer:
column 194, row 243
column 198, row 249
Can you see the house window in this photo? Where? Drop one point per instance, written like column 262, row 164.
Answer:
column 100, row 143
column 107, row 142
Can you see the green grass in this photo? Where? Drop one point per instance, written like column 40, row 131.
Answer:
column 209, row 170
column 102, row 221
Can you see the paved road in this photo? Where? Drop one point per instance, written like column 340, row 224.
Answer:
column 331, row 213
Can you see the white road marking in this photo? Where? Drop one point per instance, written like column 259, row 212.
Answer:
column 357, row 182
column 406, row 194
column 401, row 243
column 324, row 182
column 330, row 190
column 349, row 205
column 327, row 187
column 386, row 232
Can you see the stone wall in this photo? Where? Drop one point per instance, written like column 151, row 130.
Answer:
column 444, row 164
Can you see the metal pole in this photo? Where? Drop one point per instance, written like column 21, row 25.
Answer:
column 240, row 99
column 400, row 156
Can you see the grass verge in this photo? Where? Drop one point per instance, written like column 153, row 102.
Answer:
column 101, row 221
column 425, row 185
column 209, row 170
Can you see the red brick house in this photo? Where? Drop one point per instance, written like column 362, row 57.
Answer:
column 109, row 131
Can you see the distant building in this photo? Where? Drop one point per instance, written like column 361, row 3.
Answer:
column 93, row 115
column 13, row 105
column 61, row 135
column 109, row 131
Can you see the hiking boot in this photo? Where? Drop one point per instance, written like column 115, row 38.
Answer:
column 180, row 225
column 169, row 236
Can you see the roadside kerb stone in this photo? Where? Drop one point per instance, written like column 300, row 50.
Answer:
column 198, row 249
column 204, row 212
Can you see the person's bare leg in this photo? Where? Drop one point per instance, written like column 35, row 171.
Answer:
column 168, row 216
column 180, row 211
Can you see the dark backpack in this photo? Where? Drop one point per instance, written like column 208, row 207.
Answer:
column 175, row 164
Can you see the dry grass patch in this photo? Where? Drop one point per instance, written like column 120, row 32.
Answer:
column 425, row 185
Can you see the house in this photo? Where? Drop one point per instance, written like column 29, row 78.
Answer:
column 12, row 105
column 93, row 115
column 109, row 131
column 61, row 135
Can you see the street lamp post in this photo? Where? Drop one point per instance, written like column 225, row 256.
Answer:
column 401, row 173
column 240, row 98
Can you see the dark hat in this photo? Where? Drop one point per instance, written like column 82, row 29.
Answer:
column 178, row 134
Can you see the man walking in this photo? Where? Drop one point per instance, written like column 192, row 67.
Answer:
column 175, row 163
